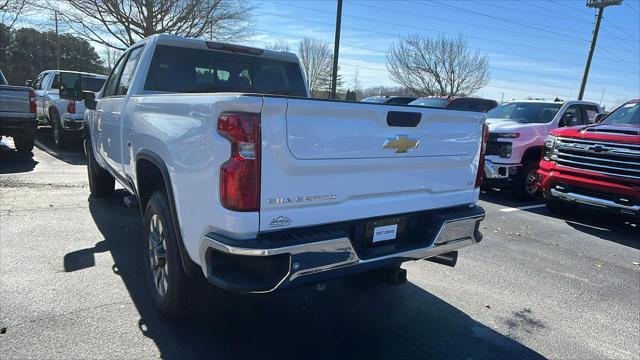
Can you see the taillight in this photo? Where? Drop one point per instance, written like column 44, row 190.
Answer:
column 71, row 107
column 32, row 101
column 240, row 175
column 483, row 149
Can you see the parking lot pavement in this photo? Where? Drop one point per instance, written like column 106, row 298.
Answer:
column 71, row 286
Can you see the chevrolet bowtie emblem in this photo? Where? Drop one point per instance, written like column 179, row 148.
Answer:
column 401, row 143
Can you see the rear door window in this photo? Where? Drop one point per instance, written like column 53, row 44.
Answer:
column 187, row 70
column 572, row 116
column 589, row 114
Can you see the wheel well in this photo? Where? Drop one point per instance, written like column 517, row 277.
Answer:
column 149, row 179
column 534, row 153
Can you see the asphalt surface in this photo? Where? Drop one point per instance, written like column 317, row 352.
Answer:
column 72, row 286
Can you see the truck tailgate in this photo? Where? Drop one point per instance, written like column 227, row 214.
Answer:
column 326, row 161
column 15, row 99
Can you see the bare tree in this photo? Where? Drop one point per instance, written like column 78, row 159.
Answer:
column 316, row 58
column 110, row 55
column 440, row 66
column 279, row 45
column 120, row 23
column 12, row 10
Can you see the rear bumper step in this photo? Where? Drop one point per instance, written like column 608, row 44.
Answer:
column 265, row 266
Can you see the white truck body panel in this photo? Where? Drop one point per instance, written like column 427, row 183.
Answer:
column 327, row 162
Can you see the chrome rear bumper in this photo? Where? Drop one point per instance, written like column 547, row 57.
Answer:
column 301, row 261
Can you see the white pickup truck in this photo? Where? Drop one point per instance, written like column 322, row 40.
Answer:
column 517, row 132
column 64, row 116
column 242, row 178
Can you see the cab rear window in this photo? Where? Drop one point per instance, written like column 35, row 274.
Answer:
column 186, row 70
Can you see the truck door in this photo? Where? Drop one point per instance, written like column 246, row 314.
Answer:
column 109, row 120
column 38, row 90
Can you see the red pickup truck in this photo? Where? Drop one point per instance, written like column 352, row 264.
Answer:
column 595, row 165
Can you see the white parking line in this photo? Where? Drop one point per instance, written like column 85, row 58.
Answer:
column 512, row 209
column 45, row 148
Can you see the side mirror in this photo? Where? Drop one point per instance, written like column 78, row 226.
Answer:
column 89, row 98
column 600, row 117
column 28, row 83
column 71, row 86
column 561, row 123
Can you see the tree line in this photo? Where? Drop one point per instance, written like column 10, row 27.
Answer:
column 26, row 52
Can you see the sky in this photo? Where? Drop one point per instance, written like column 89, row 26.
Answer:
column 536, row 48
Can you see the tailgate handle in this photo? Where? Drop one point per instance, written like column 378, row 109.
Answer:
column 403, row 119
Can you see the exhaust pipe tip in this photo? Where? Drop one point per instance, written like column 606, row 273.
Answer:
column 448, row 259
column 395, row 275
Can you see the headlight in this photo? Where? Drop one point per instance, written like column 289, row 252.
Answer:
column 504, row 149
column 506, row 135
column 549, row 145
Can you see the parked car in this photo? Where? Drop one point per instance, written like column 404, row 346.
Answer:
column 18, row 114
column 398, row 100
column 517, row 132
column 241, row 178
column 595, row 165
column 65, row 117
column 456, row 103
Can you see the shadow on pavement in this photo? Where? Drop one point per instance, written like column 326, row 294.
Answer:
column 12, row 161
column 348, row 319
column 612, row 227
column 72, row 154
column 504, row 198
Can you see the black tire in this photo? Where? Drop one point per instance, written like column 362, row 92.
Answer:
column 173, row 292
column 24, row 143
column 101, row 183
column 525, row 186
column 58, row 132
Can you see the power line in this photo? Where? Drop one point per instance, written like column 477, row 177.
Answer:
column 630, row 7
column 474, row 37
column 584, row 11
column 345, row 62
column 516, row 22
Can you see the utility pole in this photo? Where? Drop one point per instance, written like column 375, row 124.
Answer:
column 502, row 100
column 55, row 17
column 336, row 49
column 600, row 5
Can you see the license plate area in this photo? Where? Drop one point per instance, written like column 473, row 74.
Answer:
column 385, row 231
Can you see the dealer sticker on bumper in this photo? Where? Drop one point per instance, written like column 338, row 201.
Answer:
column 383, row 233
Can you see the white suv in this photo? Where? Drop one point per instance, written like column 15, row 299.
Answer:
column 517, row 131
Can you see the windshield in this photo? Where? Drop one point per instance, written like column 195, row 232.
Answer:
column 526, row 112
column 433, row 102
column 628, row 114
column 92, row 83
column 185, row 70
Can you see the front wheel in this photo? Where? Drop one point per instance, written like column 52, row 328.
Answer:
column 525, row 186
column 24, row 143
column 171, row 289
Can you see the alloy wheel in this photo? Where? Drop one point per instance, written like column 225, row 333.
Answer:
column 157, row 255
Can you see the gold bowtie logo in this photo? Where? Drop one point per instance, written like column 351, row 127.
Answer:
column 401, row 143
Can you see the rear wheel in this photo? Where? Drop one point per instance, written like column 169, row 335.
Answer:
column 24, row 143
column 171, row 289
column 58, row 132
column 525, row 186
column 101, row 183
